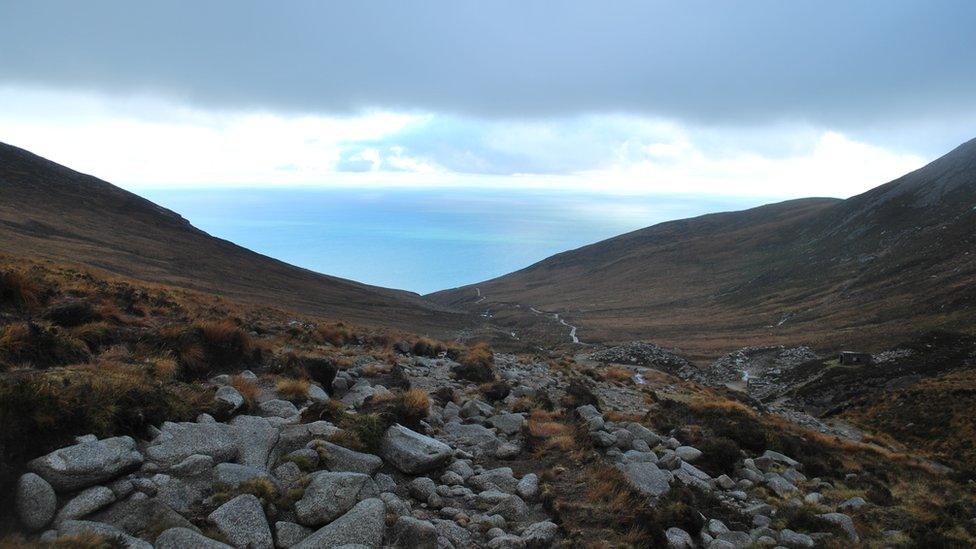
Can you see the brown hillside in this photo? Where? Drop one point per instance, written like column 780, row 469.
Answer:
column 52, row 212
column 867, row 271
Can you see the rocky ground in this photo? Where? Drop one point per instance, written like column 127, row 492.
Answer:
column 150, row 419
column 271, row 478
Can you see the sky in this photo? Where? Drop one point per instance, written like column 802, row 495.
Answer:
column 762, row 98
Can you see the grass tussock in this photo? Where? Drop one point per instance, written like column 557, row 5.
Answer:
column 294, row 390
column 19, row 291
column 617, row 373
column 40, row 345
column 337, row 334
column 248, row 388
column 209, row 346
column 476, row 364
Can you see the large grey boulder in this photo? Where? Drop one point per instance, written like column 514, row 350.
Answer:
column 242, row 521
column 182, row 538
column 78, row 527
column 528, row 487
column 338, row 458
column 85, row 503
column 229, row 399
column 288, row 534
column 255, row 438
column 679, row 539
column 36, row 501
column 296, row 437
column 472, row 437
column 233, row 474
column 87, row 463
column 277, row 408
column 329, row 495
column 646, row 478
column 512, row 508
column 412, row 452
column 688, row 453
column 780, row 485
column 178, row 441
column 508, row 424
column 845, row 522
column 141, row 514
column 412, row 533
column 501, row 478
column 363, row 524
column 795, row 540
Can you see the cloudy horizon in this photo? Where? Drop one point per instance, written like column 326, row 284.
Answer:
column 763, row 99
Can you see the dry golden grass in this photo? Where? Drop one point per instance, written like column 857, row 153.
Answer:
column 294, row 390
column 617, row 373
column 335, row 334
column 19, row 290
column 248, row 388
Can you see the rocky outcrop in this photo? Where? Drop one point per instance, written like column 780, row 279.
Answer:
column 89, row 462
column 361, row 525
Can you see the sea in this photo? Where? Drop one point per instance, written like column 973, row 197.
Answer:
column 423, row 240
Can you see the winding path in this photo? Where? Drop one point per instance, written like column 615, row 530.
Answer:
column 555, row 316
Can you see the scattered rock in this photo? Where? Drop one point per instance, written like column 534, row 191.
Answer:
column 329, row 495
column 36, row 501
column 412, row 533
column 646, row 478
column 845, row 522
column 242, row 521
column 540, row 535
column 182, row 538
column 87, row 502
column 277, row 408
column 679, row 539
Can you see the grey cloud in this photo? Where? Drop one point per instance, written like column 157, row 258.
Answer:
column 836, row 63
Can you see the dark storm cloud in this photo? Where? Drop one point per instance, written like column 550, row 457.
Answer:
column 828, row 62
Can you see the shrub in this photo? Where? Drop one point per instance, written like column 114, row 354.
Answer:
column 294, row 390
column 428, row 347
column 207, row 347
column 335, row 334
column 321, row 370
column 72, row 313
column 407, row 408
column 477, row 364
column 40, row 345
column 719, row 455
column 495, row 390
column 18, row 291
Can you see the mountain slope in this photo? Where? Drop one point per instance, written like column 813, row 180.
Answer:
column 865, row 271
column 52, row 212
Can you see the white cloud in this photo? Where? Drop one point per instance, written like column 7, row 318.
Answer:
column 144, row 142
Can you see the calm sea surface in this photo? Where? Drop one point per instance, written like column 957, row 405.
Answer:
column 422, row 240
